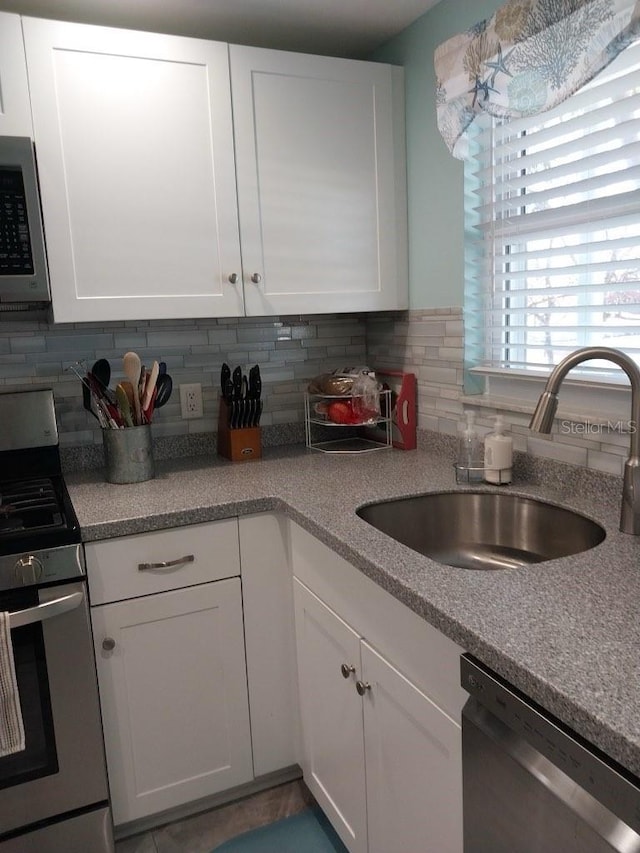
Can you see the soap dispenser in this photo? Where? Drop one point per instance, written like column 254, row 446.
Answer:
column 469, row 468
column 498, row 454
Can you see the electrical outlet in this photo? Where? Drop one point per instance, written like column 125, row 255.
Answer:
column 191, row 400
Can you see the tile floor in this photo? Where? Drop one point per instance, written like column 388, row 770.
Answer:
column 202, row 832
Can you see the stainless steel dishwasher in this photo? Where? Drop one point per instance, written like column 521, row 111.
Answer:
column 530, row 785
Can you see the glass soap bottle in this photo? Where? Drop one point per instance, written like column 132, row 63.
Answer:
column 469, row 468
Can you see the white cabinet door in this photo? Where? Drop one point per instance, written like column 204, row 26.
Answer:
column 321, row 182
column 410, row 708
column 173, row 692
column 135, row 150
column 267, row 600
column 413, row 755
column 15, row 111
column 331, row 716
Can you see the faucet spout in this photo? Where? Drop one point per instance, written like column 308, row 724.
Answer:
column 542, row 421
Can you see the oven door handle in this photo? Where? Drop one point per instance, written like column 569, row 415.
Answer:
column 46, row 610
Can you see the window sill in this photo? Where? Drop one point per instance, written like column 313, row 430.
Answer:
column 583, row 400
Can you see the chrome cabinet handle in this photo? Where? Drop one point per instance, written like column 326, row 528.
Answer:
column 108, row 644
column 346, row 669
column 233, row 278
column 46, row 610
column 168, row 564
column 362, row 687
column 256, row 278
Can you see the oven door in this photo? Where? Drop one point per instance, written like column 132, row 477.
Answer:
column 62, row 768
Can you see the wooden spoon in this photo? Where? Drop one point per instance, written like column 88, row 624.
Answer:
column 152, row 378
column 132, row 368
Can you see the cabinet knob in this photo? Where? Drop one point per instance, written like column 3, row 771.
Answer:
column 362, row 687
column 233, row 278
column 346, row 669
column 256, row 278
column 108, row 644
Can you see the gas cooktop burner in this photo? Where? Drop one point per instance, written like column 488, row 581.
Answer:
column 29, row 505
column 36, row 514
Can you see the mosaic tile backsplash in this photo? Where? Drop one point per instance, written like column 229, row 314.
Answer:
column 290, row 351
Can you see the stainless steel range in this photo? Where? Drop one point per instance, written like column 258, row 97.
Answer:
column 53, row 793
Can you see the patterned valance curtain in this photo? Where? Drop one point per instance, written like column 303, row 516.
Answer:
column 528, row 57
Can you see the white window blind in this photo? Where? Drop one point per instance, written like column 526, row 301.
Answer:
column 553, row 230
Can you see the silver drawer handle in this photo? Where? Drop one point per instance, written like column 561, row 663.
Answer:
column 170, row 564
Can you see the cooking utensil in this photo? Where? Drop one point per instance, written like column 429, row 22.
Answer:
column 87, row 401
column 123, row 405
column 150, row 385
column 128, row 388
column 141, row 386
column 132, row 368
column 164, row 386
column 101, row 370
column 108, row 413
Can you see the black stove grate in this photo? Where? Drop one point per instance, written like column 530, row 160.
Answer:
column 30, row 505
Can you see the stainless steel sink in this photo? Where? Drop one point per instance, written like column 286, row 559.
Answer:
column 484, row 530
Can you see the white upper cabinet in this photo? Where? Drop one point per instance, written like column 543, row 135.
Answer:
column 321, row 182
column 135, row 150
column 135, row 135
column 15, row 114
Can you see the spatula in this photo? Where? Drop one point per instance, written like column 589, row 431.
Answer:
column 123, row 405
column 132, row 367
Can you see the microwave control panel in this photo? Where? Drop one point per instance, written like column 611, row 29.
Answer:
column 16, row 257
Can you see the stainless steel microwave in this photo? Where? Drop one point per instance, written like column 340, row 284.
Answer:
column 24, row 279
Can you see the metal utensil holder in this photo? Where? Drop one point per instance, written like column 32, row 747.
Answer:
column 128, row 454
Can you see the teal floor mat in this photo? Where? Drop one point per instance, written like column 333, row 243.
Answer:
column 306, row 832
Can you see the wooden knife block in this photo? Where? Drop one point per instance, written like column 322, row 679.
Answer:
column 238, row 445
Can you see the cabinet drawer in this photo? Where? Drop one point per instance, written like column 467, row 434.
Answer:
column 127, row 567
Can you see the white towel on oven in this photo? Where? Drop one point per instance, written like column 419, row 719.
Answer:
column 11, row 725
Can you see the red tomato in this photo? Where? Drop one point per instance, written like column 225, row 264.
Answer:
column 340, row 412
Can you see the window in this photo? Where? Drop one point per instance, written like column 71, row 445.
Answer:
column 553, row 231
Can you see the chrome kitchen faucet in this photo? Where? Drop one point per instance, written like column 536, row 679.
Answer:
column 544, row 414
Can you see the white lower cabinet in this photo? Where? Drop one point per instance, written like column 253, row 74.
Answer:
column 331, row 716
column 380, row 755
column 171, row 667
column 413, row 764
column 215, row 670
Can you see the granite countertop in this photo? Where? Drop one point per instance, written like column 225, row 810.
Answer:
column 566, row 632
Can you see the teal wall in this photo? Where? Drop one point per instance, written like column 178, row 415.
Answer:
column 434, row 177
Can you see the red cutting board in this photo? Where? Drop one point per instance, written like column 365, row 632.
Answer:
column 403, row 415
